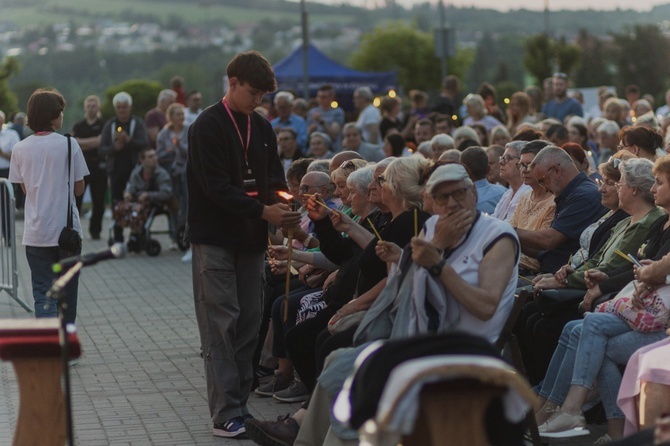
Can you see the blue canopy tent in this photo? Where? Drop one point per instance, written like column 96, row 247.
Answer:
column 323, row 70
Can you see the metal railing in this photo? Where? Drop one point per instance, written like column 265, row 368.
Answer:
column 9, row 269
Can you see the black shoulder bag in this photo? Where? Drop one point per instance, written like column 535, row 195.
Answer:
column 69, row 240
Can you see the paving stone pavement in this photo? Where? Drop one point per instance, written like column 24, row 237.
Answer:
column 140, row 380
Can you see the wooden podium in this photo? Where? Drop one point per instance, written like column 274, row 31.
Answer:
column 33, row 347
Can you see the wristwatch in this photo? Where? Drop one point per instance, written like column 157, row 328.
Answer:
column 436, row 269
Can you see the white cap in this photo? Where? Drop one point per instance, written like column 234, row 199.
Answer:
column 448, row 172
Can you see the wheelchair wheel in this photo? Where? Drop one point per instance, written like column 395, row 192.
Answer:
column 153, row 247
column 183, row 244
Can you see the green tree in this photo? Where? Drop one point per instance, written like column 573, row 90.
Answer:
column 144, row 94
column 8, row 100
column 594, row 62
column 539, row 55
column 567, row 55
column 643, row 58
column 545, row 55
column 397, row 46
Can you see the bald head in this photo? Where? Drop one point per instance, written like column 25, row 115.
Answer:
column 316, row 182
column 554, row 169
column 342, row 157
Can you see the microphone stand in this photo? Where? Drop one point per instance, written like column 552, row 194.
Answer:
column 57, row 292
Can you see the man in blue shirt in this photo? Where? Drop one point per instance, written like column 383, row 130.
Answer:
column 561, row 105
column 488, row 195
column 577, row 206
column 283, row 104
column 326, row 118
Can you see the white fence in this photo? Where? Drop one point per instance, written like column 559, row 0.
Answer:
column 9, row 271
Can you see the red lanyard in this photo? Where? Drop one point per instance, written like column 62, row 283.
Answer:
column 232, row 118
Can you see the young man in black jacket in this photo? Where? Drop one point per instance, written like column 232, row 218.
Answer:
column 233, row 175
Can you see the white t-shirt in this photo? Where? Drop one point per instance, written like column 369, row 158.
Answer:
column 369, row 115
column 8, row 139
column 40, row 163
column 189, row 116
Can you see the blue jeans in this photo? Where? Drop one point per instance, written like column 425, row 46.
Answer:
column 42, row 277
column 590, row 349
column 618, row 352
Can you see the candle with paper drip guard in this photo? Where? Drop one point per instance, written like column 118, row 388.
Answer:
column 293, row 205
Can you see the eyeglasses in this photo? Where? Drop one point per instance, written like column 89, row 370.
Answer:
column 458, row 195
column 523, row 167
column 306, row 187
column 615, row 162
column 506, row 159
column 381, row 180
column 541, row 181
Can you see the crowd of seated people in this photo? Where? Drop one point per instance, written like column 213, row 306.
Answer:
column 569, row 196
column 570, row 224
column 557, row 198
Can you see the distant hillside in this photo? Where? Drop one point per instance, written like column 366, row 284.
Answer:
column 234, row 12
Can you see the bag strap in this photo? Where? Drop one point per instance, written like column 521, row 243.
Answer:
column 69, row 166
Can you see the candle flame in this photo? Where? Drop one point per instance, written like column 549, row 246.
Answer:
column 119, row 129
column 285, row 195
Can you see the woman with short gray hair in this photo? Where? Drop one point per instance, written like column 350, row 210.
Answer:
column 476, row 108
column 320, row 146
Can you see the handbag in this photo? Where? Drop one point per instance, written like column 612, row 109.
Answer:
column 316, row 278
column 346, row 322
column 652, row 317
column 69, row 240
column 558, row 300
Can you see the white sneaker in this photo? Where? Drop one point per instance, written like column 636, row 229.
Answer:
column 563, row 425
column 187, row 257
column 603, row 440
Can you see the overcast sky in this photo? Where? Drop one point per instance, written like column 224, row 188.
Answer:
column 504, row 5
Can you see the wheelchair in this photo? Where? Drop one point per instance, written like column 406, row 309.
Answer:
column 140, row 218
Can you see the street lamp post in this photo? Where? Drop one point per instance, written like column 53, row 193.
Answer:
column 305, row 45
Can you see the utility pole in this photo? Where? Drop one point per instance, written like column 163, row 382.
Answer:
column 305, row 46
column 444, row 39
column 547, row 30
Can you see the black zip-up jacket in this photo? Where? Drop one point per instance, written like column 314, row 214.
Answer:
column 220, row 213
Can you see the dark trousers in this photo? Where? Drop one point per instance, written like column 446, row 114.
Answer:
column 326, row 343
column 301, row 346
column 281, row 326
column 118, row 181
column 96, row 181
column 538, row 337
